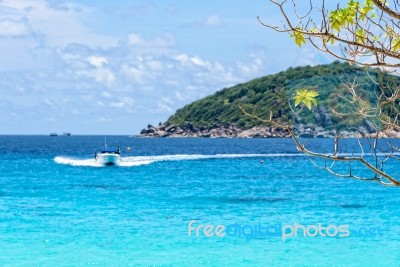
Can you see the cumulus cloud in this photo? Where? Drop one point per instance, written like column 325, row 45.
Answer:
column 97, row 61
column 59, row 22
column 14, row 28
column 100, row 75
column 165, row 40
column 137, row 74
column 109, row 83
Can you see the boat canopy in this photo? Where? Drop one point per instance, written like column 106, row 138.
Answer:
column 110, row 150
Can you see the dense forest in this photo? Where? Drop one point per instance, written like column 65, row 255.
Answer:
column 273, row 93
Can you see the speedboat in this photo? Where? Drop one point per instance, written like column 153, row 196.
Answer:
column 108, row 156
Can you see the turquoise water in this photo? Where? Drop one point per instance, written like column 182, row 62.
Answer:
column 57, row 208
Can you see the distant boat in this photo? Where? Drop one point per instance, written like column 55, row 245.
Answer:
column 53, row 134
column 108, row 156
column 67, row 134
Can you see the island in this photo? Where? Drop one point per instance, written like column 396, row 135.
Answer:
column 219, row 115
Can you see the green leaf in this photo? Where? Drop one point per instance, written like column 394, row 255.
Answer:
column 298, row 38
column 360, row 36
column 396, row 44
column 307, row 97
column 297, row 101
column 314, row 101
column 308, row 104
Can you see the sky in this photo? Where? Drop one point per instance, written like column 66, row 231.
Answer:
column 113, row 67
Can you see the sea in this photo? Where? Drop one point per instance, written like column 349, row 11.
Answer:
column 192, row 202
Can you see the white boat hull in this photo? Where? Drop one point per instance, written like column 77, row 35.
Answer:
column 108, row 158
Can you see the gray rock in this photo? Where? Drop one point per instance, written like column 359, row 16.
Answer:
column 306, row 135
column 170, row 128
column 246, row 134
column 322, row 134
column 162, row 133
column 369, row 126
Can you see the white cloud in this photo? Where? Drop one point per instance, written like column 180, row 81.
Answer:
column 116, row 104
column 155, row 65
column 199, row 62
column 61, row 24
column 252, row 68
column 136, row 73
column 212, row 21
column 100, row 75
column 14, row 28
column 97, row 61
column 125, row 102
column 165, row 40
column 188, row 61
column 59, row 58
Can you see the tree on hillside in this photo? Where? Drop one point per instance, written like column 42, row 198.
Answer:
column 363, row 33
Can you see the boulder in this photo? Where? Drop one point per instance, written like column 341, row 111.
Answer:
column 162, row 133
column 246, row 134
column 369, row 126
column 170, row 128
column 392, row 134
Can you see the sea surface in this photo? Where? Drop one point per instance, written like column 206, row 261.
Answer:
column 59, row 208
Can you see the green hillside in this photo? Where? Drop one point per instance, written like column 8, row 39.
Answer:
column 274, row 91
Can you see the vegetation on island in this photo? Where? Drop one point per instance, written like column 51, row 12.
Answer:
column 272, row 93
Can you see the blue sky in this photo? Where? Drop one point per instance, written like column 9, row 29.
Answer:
column 112, row 67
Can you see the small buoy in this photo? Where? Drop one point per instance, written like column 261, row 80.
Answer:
column 129, row 148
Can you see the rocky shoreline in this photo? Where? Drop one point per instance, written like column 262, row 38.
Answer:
column 233, row 131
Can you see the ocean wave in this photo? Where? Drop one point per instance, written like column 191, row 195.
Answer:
column 144, row 160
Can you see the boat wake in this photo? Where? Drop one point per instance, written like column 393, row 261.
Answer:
column 144, row 160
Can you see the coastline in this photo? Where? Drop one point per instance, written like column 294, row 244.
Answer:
column 231, row 130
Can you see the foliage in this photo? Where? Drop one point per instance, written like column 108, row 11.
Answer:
column 306, row 97
column 273, row 93
column 366, row 33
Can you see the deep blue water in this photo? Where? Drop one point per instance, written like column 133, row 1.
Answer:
column 58, row 209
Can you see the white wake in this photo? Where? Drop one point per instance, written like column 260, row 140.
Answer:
column 144, row 160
